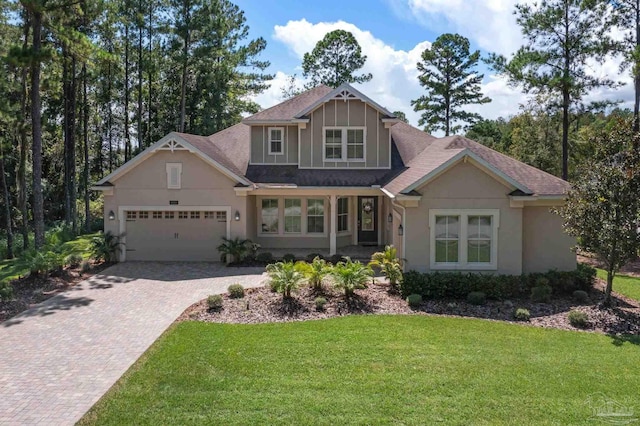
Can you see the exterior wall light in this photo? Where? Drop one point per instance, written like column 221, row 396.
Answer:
column 237, row 216
column 400, row 230
column 390, row 218
column 112, row 215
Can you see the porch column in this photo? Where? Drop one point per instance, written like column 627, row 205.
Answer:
column 332, row 231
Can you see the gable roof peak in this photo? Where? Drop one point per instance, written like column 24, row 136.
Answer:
column 344, row 92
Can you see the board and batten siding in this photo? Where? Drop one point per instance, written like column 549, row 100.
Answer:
column 351, row 113
column 260, row 146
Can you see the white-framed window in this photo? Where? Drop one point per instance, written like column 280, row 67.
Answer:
column 269, row 215
column 221, row 216
column 157, row 215
column 343, row 214
column 195, row 215
column 292, row 215
column 183, row 215
column 276, row 140
column 169, row 215
column 464, row 238
column 344, row 143
column 143, row 215
column 131, row 215
column 315, row 216
column 174, row 175
column 209, row 215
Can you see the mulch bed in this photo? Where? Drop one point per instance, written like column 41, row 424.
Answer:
column 261, row 305
column 31, row 290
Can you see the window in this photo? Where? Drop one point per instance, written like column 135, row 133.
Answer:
column 341, row 140
column 343, row 214
column 333, row 144
column 183, row 215
column 157, row 215
column 276, row 140
column 221, row 216
column 143, row 215
column 209, row 215
column 355, row 144
column 195, row 215
column 131, row 215
column 315, row 216
column 174, row 175
column 269, row 214
column 169, row 215
column 292, row 215
column 464, row 239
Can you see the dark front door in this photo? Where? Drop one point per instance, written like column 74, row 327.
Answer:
column 368, row 220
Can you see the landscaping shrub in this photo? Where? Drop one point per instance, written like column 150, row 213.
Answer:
column 581, row 296
column 284, row 277
column 85, row 266
column 289, row 257
column 350, row 276
column 414, row 300
column 388, row 263
column 578, row 319
column 234, row 250
column 320, row 302
column 310, row 257
column 236, row 291
column 264, row 257
column 214, row 302
column 522, row 314
column 541, row 293
column 105, row 247
column 73, row 260
column 6, row 291
column 315, row 271
column 336, row 258
column 477, row 298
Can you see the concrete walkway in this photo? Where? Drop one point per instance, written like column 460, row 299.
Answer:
column 58, row 358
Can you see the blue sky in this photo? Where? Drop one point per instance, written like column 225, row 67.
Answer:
column 392, row 34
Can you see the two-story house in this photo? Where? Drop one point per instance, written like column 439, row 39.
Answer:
column 331, row 169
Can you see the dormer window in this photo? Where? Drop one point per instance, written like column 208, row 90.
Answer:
column 344, row 144
column 276, row 140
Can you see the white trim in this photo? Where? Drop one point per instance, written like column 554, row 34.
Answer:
column 377, row 138
column 123, row 220
column 352, row 94
column 282, row 140
column 345, row 145
column 303, row 222
column 169, row 168
column 275, row 122
column 462, row 263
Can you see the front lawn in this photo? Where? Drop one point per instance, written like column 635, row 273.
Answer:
column 372, row 370
column 623, row 284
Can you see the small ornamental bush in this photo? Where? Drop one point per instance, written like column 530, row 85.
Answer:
column 85, row 266
column 310, row 257
column 264, row 257
column 581, row 296
column 284, row 277
column 336, row 258
column 73, row 260
column 214, row 302
column 289, row 257
column 541, row 293
column 236, row 291
column 315, row 271
column 578, row 319
column 6, row 291
column 350, row 276
column 477, row 298
column 414, row 300
column 320, row 302
column 522, row 314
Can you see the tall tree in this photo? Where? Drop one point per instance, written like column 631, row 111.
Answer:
column 334, row 60
column 560, row 37
column 447, row 72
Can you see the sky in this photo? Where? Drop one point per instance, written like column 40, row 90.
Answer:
column 393, row 34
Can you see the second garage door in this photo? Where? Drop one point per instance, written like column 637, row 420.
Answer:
column 174, row 235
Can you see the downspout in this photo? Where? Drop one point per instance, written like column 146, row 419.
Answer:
column 404, row 212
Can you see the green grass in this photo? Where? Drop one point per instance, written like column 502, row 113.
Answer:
column 371, row 370
column 11, row 269
column 623, row 284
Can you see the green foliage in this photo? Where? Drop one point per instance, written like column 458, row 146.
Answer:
column 73, row 260
column 578, row 319
column 456, row 285
column 334, row 60
column 284, row 277
column 414, row 300
column 447, row 72
column 581, row 296
column 41, row 262
column 85, row 266
column 336, row 258
column 264, row 257
column 542, row 291
column 105, row 247
column 289, row 257
column 233, row 249
column 310, row 257
column 476, row 298
column 389, row 264
column 214, row 302
column 603, row 205
column 522, row 314
column 6, row 291
column 350, row 276
column 315, row 272
column 236, row 291
column 320, row 302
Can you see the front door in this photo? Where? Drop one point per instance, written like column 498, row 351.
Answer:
column 367, row 221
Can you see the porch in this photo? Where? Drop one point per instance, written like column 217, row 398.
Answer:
column 355, row 252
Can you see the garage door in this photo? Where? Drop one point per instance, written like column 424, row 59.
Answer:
column 174, row 235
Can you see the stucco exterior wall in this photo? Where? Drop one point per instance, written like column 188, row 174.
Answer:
column 354, row 113
column 546, row 246
column 464, row 186
column 260, row 146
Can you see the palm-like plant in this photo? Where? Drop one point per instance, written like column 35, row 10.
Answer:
column 350, row 276
column 315, row 272
column 284, row 277
column 105, row 247
column 233, row 250
column 389, row 264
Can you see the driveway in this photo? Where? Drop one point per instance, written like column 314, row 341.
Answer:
column 58, row 358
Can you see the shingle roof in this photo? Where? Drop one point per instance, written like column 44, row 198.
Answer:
column 288, row 109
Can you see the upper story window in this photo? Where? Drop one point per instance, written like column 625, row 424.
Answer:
column 344, row 143
column 174, row 175
column 276, row 140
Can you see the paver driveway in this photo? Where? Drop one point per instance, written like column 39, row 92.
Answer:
column 58, row 358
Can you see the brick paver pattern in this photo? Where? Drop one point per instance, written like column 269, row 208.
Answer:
column 58, row 358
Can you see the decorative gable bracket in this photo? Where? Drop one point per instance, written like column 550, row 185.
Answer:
column 172, row 145
column 345, row 95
